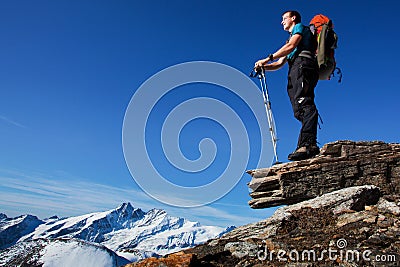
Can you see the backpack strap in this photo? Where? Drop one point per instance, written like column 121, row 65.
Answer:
column 338, row 72
column 307, row 54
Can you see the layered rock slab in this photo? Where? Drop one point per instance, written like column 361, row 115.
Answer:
column 340, row 164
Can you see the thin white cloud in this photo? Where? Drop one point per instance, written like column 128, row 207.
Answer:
column 65, row 196
column 209, row 215
column 47, row 197
column 12, row 122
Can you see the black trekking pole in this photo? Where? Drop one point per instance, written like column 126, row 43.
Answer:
column 260, row 74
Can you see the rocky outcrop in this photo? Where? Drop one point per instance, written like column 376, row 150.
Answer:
column 344, row 211
column 340, row 164
column 179, row 259
column 348, row 227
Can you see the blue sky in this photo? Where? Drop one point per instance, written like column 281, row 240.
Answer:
column 68, row 70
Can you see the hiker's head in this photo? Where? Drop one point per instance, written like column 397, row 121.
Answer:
column 289, row 19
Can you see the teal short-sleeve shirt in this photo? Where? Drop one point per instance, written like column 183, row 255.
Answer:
column 306, row 42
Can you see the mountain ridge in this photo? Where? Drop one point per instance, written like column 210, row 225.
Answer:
column 60, row 252
column 130, row 232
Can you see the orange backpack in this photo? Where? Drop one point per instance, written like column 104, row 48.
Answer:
column 322, row 28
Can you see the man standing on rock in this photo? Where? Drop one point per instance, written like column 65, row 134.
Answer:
column 302, row 79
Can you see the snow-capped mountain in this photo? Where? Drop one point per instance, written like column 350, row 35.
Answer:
column 130, row 232
column 90, row 227
column 12, row 229
column 60, row 252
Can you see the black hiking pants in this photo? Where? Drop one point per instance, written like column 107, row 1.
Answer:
column 302, row 79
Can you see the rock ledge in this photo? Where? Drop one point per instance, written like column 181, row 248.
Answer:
column 340, row 164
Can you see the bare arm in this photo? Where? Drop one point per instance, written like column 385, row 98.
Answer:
column 275, row 65
column 281, row 54
column 287, row 48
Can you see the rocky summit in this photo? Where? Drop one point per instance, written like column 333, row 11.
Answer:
column 342, row 208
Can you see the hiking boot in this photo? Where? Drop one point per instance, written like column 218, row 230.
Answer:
column 299, row 154
column 313, row 150
column 304, row 153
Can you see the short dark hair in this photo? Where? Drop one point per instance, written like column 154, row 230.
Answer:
column 293, row 13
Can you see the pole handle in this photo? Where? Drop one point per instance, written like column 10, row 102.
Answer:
column 257, row 73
